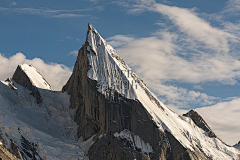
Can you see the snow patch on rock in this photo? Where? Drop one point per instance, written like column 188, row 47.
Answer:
column 135, row 141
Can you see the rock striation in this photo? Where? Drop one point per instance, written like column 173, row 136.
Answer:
column 104, row 111
column 102, row 116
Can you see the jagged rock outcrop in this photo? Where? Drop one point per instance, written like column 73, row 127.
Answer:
column 199, row 121
column 29, row 149
column 22, row 78
column 103, row 116
column 237, row 145
column 7, row 155
column 9, row 148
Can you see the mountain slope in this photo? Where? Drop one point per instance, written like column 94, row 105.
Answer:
column 114, row 105
column 104, row 111
column 44, row 130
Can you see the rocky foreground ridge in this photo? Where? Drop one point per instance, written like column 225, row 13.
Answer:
column 104, row 111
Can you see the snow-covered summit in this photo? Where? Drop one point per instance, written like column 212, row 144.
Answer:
column 110, row 71
column 107, row 67
column 35, row 77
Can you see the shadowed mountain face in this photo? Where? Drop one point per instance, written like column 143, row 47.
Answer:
column 104, row 111
column 22, row 78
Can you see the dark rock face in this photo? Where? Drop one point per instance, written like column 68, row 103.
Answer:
column 29, row 149
column 98, row 115
column 105, row 115
column 21, row 78
column 199, row 121
column 237, row 145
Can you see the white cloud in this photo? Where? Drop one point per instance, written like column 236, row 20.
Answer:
column 13, row 4
column 197, row 87
column 69, row 15
column 223, row 118
column 158, row 58
column 154, row 59
column 189, row 23
column 232, row 8
column 200, row 30
column 93, row 1
column 75, row 53
column 51, row 13
column 56, row 74
column 190, row 51
column 178, row 96
column 120, row 40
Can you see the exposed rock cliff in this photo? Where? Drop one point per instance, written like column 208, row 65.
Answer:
column 105, row 112
column 104, row 115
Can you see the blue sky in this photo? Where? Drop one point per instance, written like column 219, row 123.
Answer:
column 186, row 51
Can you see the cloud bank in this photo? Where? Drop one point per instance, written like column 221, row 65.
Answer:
column 56, row 74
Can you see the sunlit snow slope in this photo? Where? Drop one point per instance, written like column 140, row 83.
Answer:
column 43, row 131
column 110, row 71
column 35, row 77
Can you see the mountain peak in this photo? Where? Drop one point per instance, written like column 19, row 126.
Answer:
column 33, row 75
column 114, row 105
column 27, row 76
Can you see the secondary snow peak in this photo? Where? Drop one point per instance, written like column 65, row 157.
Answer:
column 33, row 75
column 27, row 76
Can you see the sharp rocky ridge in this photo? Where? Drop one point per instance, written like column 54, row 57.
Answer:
column 126, row 119
column 105, row 111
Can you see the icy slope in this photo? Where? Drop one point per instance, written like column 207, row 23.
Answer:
column 35, row 77
column 47, row 131
column 110, row 71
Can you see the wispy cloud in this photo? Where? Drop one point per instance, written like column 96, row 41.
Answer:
column 155, row 60
column 120, row 40
column 197, row 87
column 192, row 52
column 51, row 13
column 232, row 8
column 189, row 50
column 13, row 4
column 75, row 53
